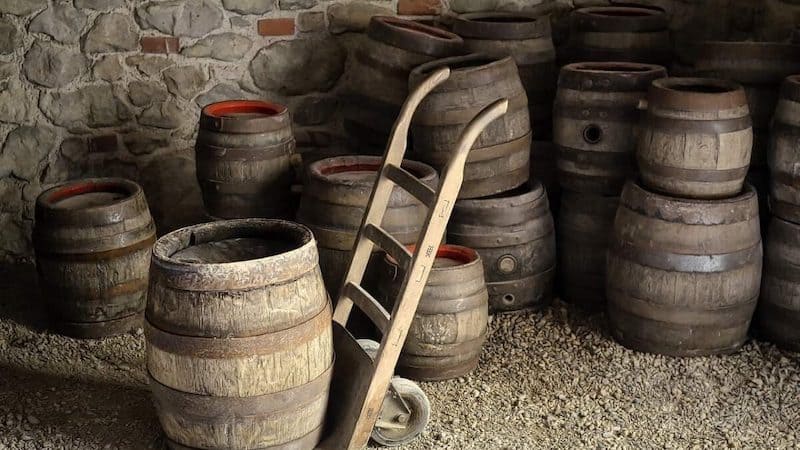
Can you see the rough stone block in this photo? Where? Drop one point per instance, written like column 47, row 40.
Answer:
column 185, row 81
column 311, row 21
column 10, row 38
column 294, row 5
column 223, row 46
column 106, row 143
column 221, row 92
column 159, row 44
column 61, row 21
column 419, row 7
column 21, row 7
column 149, row 65
column 167, row 115
column 353, row 16
column 49, row 65
column 276, row 27
column 298, row 66
column 192, row 18
column 143, row 93
column 249, row 6
column 25, row 149
column 102, row 5
column 93, row 106
column 111, row 32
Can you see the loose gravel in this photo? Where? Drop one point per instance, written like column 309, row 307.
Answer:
column 546, row 380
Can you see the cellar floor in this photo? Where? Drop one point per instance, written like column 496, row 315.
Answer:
column 546, row 380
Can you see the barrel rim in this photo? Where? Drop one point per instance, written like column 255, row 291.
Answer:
column 475, row 25
column 466, row 256
column 213, row 117
column 47, row 201
column 320, row 169
column 491, row 64
column 620, row 19
column 534, row 191
column 667, row 93
column 413, row 36
column 621, row 75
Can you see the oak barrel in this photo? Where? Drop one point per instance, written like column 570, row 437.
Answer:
column 695, row 138
column 514, row 234
column 584, row 228
column 784, row 153
column 499, row 160
column 376, row 83
column 239, row 336
column 449, row 326
column 778, row 312
column 92, row 239
column 595, row 122
column 683, row 275
column 334, row 201
column 526, row 38
column 243, row 154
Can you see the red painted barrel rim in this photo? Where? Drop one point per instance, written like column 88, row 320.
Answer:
column 463, row 255
column 416, row 28
column 224, row 108
column 73, row 188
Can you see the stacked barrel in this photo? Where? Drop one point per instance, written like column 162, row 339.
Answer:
column 684, row 261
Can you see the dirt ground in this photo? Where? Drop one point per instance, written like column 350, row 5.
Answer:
column 546, row 380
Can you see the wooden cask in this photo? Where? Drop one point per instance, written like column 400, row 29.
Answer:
column 499, row 160
column 595, row 122
column 784, row 153
column 376, row 83
column 92, row 239
column 544, row 166
column 778, row 312
column 695, row 138
column 514, row 234
column 619, row 33
column 683, row 275
column 449, row 326
column 526, row 38
column 239, row 336
column 334, row 201
column 243, row 155
column 584, row 228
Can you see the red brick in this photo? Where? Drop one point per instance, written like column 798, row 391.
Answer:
column 105, row 143
column 276, row 27
column 159, row 44
column 419, row 7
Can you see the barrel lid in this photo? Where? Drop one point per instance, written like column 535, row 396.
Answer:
column 501, row 25
column 696, row 94
column 619, row 19
column 414, row 36
column 244, row 116
column 790, row 88
column 609, row 76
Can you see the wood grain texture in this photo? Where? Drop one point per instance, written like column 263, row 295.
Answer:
column 784, row 153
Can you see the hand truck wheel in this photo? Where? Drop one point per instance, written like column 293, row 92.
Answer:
column 404, row 414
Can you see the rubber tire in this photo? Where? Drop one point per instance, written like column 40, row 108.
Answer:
column 369, row 346
column 420, row 414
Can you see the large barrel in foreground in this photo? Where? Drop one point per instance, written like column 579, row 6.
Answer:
column 683, row 275
column 239, row 338
column 784, row 153
column 778, row 313
column 243, row 154
column 92, row 240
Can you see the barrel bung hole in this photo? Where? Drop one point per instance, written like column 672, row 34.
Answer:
column 508, row 299
column 592, row 134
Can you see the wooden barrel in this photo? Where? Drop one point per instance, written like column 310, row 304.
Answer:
column 499, row 160
column 514, row 234
column 683, row 275
column 239, row 336
column 619, row 33
column 595, row 124
column 696, row 137
column 544, row 168
column 449, row 326
column 584, row 224
column 243, row 154
column 784, row 153
column 334, row 201
column 526, row 38
column 376, row 83
column 92, row 240
column 778, row 312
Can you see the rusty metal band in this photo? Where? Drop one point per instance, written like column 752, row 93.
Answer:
column 600, row 113
column 677, row 315
column 520, row 145
column 716, row 126
column 253, row 187
column 622, row 162
column 96, row 330
column 413, row 36
column 591, row 76
column 438, row 372
column 72, row 252
column 215, row 152
column 461, row 116
column 454, row 305
column 676, row 262
column 246, row 125
column 494, row 238
column 596, row 19
column 784, row 210
column 243, row 347
column 474, row 25
column 306, row 442
column 693, row 175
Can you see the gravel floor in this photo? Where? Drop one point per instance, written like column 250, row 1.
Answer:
column 546, row 380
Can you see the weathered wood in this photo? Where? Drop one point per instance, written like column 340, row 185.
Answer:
column 449, row 326
column 584, row 229
column 696, row 138
column 595, row 123
column 513, row 232
column 92, row 239
column 239, row 339
column 778, row 312
column 243, row 155
column 683, row 275
column 784, row 153
column 499, row 159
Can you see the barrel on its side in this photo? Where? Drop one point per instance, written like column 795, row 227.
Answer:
column 784, row 153
column 683, row 275
column 239, row 338
column 449, row 326
column 514, row 234
column 778, row 312
column 696, row 138
column 243, row 154
column 92, row 239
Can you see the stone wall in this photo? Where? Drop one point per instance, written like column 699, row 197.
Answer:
column 114, row 87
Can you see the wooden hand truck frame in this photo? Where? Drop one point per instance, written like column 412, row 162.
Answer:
column 363, row 391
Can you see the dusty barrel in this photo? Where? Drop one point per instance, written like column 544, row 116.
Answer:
column 92, row 240
column 500, row 158
column 619, row 33
column 334, row 201
column 243, row 154
column 526, row 38
column 683, row 275
column 784, row 153
column 778, row 312
column 595, row 122
column 544, row 168
column 238, row 330
column 584, row 227
column 514, row 234
column 695, row 138
column 449, row 326
column 377, row 81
